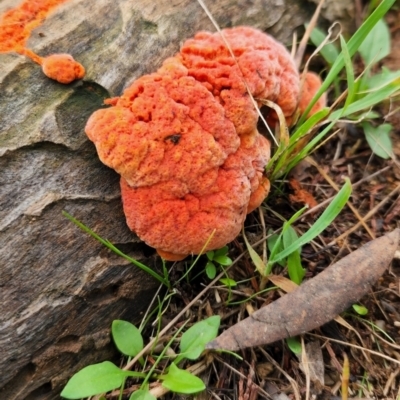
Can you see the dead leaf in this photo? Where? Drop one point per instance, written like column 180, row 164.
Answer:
column 315, row 365
column 264, row 369
column 315, row 302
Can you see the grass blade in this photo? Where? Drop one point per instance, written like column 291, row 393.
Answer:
column 258, row 262
column 349, row 72
column 322, row 222
column 353, row 45
column 115, row 250
column 370, row 100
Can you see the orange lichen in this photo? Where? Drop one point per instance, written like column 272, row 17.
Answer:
column 185, row 139
column 16, row 26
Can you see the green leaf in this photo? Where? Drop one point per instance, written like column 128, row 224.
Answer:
column 322, row 222
column 223, row 260
column 194, row 340
column 349, row 73
column 382, row 78
column 276, row 240
column 294, row 345
column 95, row 379
column 211, row 271
column 228, row 282
column 361, row 310
column 181, row 381
column 295, row 270
column 329, row 51
column 127, row 338
column 377, row 44
column 210, row 255
column 379, row 139
column 142, row 395
column 223, row 251
column 353, row 45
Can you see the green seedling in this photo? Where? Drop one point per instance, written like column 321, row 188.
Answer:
column 277, row 243
column 369, row 89
column 100, row 378
column 287, row 246
column 217, row 258
column 360, row 310
column 378, row 138
column 228, row 282
column 294, row 345
column 142, row 394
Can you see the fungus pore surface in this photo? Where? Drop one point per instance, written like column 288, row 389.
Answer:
column 16, row 26
column 185, row 139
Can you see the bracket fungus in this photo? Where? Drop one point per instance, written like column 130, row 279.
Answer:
column 185, row 142
column 16, row 26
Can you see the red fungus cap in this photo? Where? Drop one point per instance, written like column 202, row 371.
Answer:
column 185, row 139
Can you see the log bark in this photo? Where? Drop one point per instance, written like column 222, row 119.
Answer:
column 59, row 288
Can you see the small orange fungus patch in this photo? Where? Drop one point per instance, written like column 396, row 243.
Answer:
column 16, row 26
column 62, row 68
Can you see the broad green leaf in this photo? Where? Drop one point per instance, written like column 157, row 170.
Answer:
column 329, row 51
column 382, row 78
column 211, row 271
column 210, row 255
column 369, row 115
column 194, row 340
column 142, row 395
column 96, row 379
column 295, row 270
column 377, row 44
column 321, row 224
column 223, row 260
column 127, row 338
column 379, row 139
column 181, row 381
column 353, row 45
column 294, row 345
column 361, row 310
column 223, row 251
column 228, row 282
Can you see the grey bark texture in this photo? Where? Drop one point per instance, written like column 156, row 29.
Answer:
column 59, row 288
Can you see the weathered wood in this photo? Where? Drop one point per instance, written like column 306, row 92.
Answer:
column 60, row 289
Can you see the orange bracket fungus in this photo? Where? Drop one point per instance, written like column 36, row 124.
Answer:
column 185, row 139
column 16, row 26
